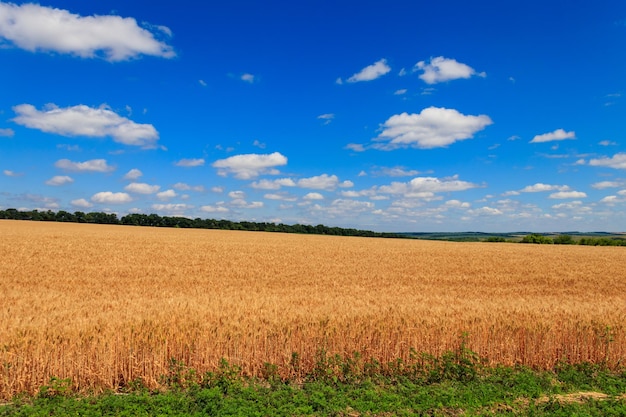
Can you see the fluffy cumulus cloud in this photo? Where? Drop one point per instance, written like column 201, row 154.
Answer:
column 249, row 166
column 617, row 161
column 442, row 69
column 60, row 180
column 133, row 174
column 177, row 209
column 486, row 211
column 426, row 187
column 189, row 163
column 93, row 165
column 433, row 127
column 540, row 187
column 558, row 134
column 108, row 197
column 86, row 121
column 323, row 182
column 181, row 186
column 273, row 185
column 37, row 28
column 313, row 196
column 81, row 203
column 606, row 184
column 371, row 72
column 568, row 194
column 215, row 209
column 164, row 195
column 141, row 188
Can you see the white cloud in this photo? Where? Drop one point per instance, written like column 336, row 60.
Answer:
column 356, row 147
column 313, row 196
column 37, row 28
column 108, row 197
column 327, row 117
column 442, row 69
column 164, row 195
column 273, row 184
column 606, row 184
column 82, row 120
column 10, row 173
column 217, row 189
column 181, row 186
column 249, row 78
column 280, row 196
column 558, row 134
column 60, row 180
column 612, row 199
column 142, row 188
column 7, row 133
column 257, row 143
column 568, row 194
column 241, row 203
column 202, row 83
column 93, row 165
column 456, row 204
column 607, row 143
column 617, row 161
column 323, row 182
column 249, row 166
column 215, row 209
column 397, row 172
column 188, row 163
column 371, row 72
column 540, row 187
column 486, row 211
column 81, row 202
column 342, row 207
column 400, row 92
column 237, row 195
column 425, row 187
column 434, row 127
column 133, row 174
column 173, row 209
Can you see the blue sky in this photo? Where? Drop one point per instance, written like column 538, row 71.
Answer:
column 397, row 116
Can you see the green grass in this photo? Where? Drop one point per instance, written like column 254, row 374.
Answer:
column 453, row 385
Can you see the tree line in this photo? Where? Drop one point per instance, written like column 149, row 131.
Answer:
column 569, row 240
column 154, row 220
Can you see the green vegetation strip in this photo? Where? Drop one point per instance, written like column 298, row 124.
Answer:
column 456, row 386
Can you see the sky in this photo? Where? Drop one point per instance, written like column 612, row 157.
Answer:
column 398, row 116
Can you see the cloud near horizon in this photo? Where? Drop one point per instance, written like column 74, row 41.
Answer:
column 249, row 166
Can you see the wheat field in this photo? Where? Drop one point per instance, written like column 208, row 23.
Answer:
column 106, row 305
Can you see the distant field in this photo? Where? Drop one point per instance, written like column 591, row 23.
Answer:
column 106, row 305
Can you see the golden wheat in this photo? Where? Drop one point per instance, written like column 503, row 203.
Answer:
column 106, row 305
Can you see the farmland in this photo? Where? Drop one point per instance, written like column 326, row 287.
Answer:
column 108, row 305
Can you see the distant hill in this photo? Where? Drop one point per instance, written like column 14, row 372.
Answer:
column 512, row 236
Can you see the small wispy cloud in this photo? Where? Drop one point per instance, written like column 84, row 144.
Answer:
column 327, row 117
column 190, row 163
column 442, row 69
column 558, row 134
column 369, row 73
